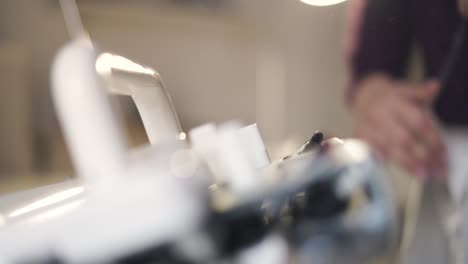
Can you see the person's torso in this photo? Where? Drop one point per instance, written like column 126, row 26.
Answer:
column 435, row 22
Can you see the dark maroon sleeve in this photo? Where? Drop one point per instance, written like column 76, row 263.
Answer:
column 382, row 40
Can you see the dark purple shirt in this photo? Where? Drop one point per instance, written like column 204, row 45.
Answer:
column 388, row 29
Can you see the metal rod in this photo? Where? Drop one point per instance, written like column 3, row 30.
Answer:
column 72, row 17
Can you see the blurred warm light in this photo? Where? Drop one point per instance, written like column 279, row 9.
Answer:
column 182, row 136
column 56, row 212
column 106, row 62
column 49, row 200
column 322, row 2
column 2, row 220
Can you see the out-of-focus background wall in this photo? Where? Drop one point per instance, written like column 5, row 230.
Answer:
column 275, row 62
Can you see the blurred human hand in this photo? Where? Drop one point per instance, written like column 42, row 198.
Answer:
column 463, row 6
column 394, row 118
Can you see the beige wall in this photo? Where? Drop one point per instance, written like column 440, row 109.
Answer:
column 275, row 62
column 221, row 66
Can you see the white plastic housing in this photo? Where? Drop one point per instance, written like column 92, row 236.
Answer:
column 145, row 86
column 92, row 131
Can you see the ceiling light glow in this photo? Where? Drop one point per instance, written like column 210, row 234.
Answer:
column 322, row 2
